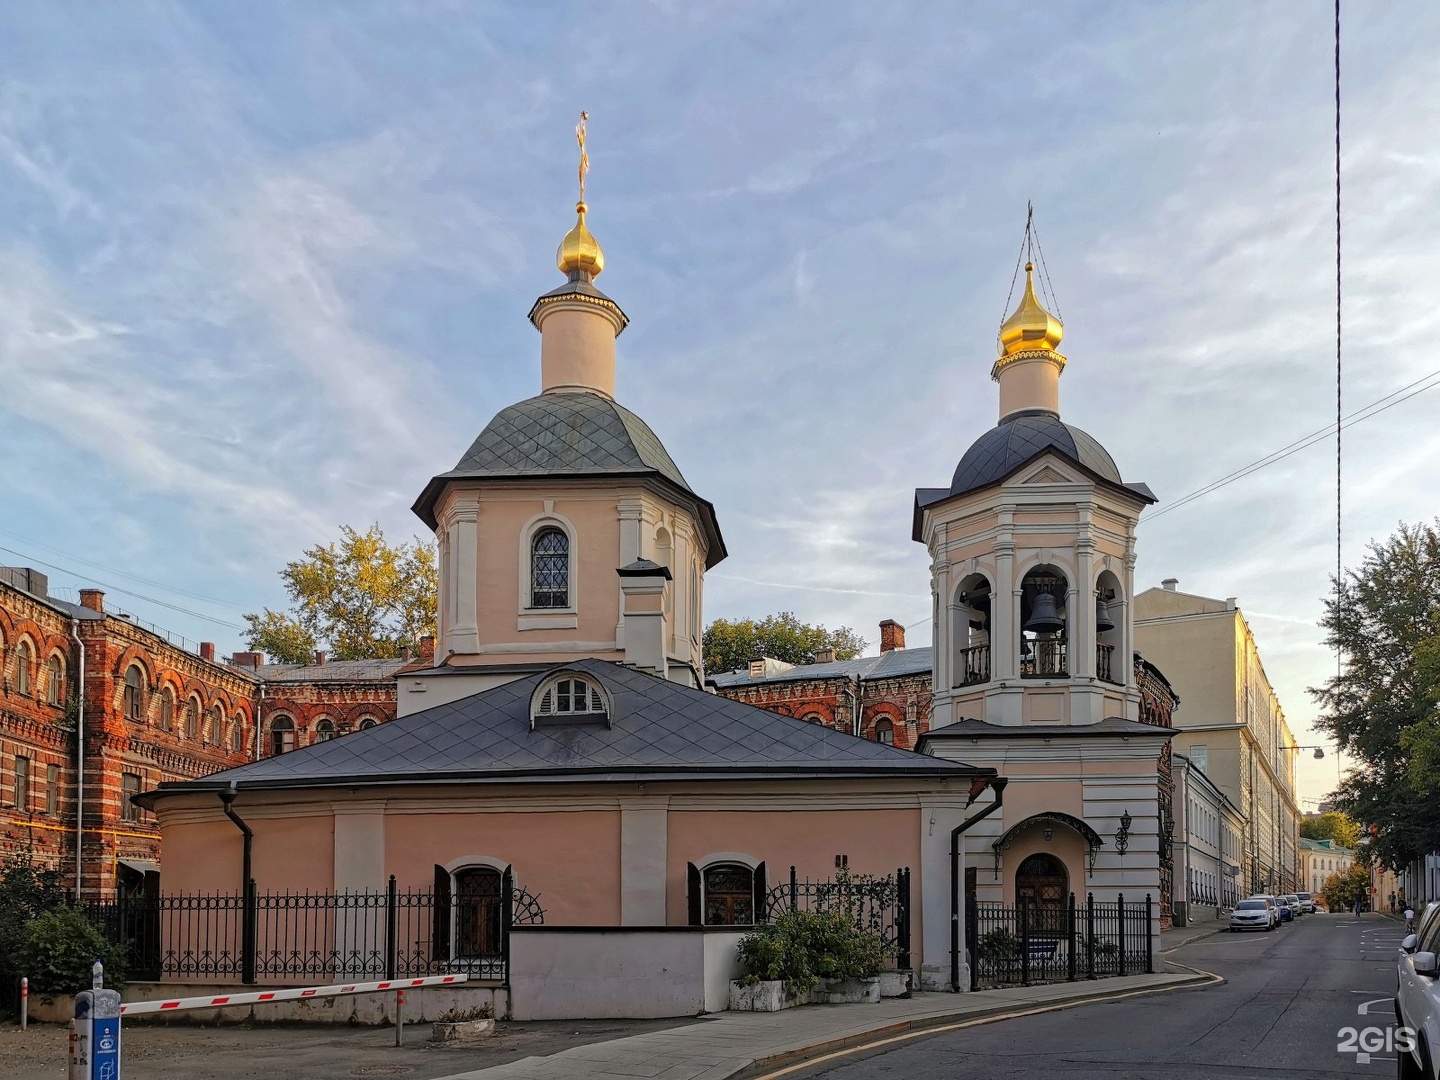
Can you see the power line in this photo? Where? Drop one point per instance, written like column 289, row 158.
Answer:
column 1374, row 409
column 122, row 591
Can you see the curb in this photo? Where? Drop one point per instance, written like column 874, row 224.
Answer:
column 900, row 1030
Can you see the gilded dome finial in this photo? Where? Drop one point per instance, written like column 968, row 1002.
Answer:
column 1030, row 327
column 579, row 255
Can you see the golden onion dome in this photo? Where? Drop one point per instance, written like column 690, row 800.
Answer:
column 580, row 252
column 1030, row 327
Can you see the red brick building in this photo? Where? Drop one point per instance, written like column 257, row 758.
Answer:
column 152, row 709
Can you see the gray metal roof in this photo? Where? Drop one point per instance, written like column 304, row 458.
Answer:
column 566, row 435
column 887, row 665
column 1003, row 449
column 658, row 730
column 332, row 671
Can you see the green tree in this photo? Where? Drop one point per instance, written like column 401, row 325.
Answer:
column 360, row 596
column 731, row 645
column 1381, row 708
column 1333, row 826
column 1343, row 887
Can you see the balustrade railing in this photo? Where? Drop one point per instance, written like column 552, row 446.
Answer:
column 1042, row 658
column 973, row 666
column 1104, row 655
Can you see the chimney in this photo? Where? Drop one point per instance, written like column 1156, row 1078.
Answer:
column 94, row 599
column 321, row 656
column 405, row 653
column 1169, row 584
column 207, row 651
column 892, row 636
column 427, row 648
column 252, row 660
column 825, row 655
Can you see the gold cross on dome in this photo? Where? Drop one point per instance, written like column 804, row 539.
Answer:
column 584, row 157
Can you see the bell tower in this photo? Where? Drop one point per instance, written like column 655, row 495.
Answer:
column 1032, row 551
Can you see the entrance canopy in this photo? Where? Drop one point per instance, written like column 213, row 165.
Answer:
column 1050, row 818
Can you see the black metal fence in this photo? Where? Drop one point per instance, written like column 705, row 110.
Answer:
column 255, row 937
column 1033, row 943
column 876, row 905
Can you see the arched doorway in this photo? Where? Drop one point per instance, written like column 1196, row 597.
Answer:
column 1042, row 887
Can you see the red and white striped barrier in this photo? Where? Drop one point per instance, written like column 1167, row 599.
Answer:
column 135, row 1008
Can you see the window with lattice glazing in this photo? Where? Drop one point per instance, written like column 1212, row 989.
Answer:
column 550, row 569
column 729, row 895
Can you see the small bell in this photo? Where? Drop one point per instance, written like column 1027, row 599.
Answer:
column 1044, row 618
column 1103, row 621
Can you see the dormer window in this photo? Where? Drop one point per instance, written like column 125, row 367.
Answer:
column 569, row 699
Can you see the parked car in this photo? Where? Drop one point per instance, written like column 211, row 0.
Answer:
column 1286, row 914
column 1293, row 901
column 1270, row 905
column 1307, row 904
column 1417, row 999
column 1252, row 914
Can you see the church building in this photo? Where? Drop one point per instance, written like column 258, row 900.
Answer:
column 561, row 746
column 1032, row 556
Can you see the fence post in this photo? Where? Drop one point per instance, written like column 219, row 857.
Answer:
column 794, row 890
column 1120, row 914
column 1090, row 935
column 1070, row 939
column 392, row 917
column 972, row 939
column 1149, row 939
column 1024, row 942
column 507, row 917
column 249, row 917
column 902, row 956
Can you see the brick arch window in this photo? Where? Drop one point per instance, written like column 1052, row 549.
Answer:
column 885, row 731
column 24, row 657
column 237, row 733
column 214, row 725
column 134, row 688
column 324, row 730
column 282, row 735
column 367, row 722
column 550, row 568
column 55, row 680
column 192, row 718
column 167, row 709
column 727, row 893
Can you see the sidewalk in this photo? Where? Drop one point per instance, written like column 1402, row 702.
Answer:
column 1197, row 929
column 735, row 1044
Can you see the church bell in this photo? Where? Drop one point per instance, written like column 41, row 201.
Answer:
column 1103, row 621
column 1044, row 618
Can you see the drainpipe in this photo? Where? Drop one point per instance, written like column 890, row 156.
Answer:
column 857, row 722
column 998, row 785
column 79, row 755
column 247, row 924
column 259, row 714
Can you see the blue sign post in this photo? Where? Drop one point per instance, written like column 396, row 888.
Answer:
column 95, row 1043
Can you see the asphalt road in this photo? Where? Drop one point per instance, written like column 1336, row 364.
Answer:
column 1288, row 995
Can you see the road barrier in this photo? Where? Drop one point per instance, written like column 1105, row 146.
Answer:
column 136, row 1008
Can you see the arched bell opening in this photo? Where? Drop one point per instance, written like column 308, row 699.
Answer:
column 1110, row 609
column 1044, row 642
column 970, row 631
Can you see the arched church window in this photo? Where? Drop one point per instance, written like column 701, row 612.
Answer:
column 1044, row 618
column 192, row 718
column 884, row 732
column 24, row 657
column 167, row 709
column 282, row 735
column 237, row 734
column 367, row 722
column 550, row 569
column 55, row 681
column 324, row 731
column 478, row 900
column 729, row 895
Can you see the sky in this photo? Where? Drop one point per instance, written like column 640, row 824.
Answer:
column 264, row 270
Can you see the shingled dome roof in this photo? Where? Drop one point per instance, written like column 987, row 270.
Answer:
column 1005, row 448
column 562, row 435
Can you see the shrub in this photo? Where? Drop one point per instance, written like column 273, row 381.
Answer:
column 802, row 947
column 60, row 950
column 999, row 944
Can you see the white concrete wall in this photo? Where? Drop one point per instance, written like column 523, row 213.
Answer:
column 613, row 973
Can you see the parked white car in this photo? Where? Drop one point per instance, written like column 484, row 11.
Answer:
column 1252, row 914
column 1307, row 903
column 1417, row 999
